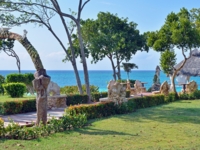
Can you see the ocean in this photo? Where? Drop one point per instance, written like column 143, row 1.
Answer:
column 100, row 78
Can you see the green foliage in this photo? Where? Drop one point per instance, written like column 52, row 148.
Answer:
column 97, row 95
column 171, row 97
column 112, row 37
column 17, row 106
column 2, row 80
column 76, row 99
column 128, row 66
column 12, row 107
column 28, row 106
column 67, row 122
column 109, row 108
column 26, row 78
column 15, row 89
column 74, row 89
column 168, row 61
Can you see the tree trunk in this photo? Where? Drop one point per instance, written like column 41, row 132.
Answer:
column 86, row 75
column 77, row 77
column 113, row 67
column 177, row 70
column 41, row 80
column 118, row 69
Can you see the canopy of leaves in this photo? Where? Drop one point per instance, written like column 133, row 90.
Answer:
column 168, row 61
column 128, row 66
column 178, row 31
column 113, row 37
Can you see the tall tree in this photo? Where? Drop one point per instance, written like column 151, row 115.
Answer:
column 41, row 12
column 112, row 37
column 178, row 31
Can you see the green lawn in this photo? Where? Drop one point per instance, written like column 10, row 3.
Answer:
column 171, row 126
column 8, row 98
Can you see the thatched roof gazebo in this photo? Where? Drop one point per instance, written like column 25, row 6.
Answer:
column 192, row 65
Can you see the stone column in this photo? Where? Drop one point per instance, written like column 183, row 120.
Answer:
column 40, row 84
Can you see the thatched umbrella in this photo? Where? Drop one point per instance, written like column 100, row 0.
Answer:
column 192, row 65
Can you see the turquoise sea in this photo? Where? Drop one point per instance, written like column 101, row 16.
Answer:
column 100, row 78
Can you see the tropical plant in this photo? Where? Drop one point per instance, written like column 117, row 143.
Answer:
column 179, row 31
column 112, row 37
column 128, row 66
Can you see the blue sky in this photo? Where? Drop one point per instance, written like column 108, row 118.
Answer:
column 148, row 14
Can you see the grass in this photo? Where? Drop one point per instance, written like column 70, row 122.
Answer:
column 4, row 98
column 171, row 126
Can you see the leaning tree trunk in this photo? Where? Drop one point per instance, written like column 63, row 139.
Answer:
column 41, row 80
column 86, row 75
column 177, row 70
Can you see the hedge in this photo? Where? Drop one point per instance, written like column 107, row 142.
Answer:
column 74, row 99
column 109, row 108
column 16, row 107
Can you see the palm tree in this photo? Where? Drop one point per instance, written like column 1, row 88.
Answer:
column 128, row 66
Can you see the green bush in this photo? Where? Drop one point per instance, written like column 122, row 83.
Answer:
column 196, row 94
column 171, row 97
column 67, row 122
column 12, row 107
column 16, row 106
column 74, row 89
column 76, row 99
column 2, row 80
column 28, row 106
column 26, row 78
column 97, row 95
column 105, row 109
column 15, row 89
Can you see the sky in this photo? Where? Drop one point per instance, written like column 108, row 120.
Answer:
column 148, row 14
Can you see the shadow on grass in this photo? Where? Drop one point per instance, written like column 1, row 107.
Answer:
column 165, row 113
column 91, row 131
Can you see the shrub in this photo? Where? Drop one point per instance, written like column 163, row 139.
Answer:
column 67, row 122
column 171, row 97
column 12, row 107
column 97, row 95
column 93, row 110
column 15, row 107
column 74, row 89
column 26, row 78
column 15, row 89
column 76, row 99
column 2, row 80
column 196, row 94
column 28, row 106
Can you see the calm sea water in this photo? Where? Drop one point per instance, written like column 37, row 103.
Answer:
column 99, row 78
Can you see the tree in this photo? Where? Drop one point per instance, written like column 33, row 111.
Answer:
column 7, row 45
column 112, row 37
column 178, row 31
column 167, row 63
column 128, row 66
column 41, row 12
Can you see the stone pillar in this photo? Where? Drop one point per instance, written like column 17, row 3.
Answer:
column 40, row 84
